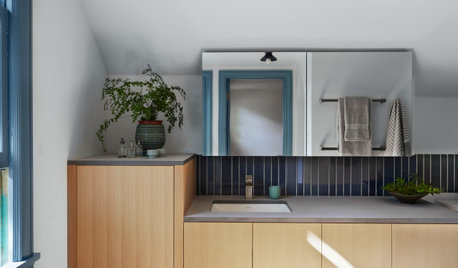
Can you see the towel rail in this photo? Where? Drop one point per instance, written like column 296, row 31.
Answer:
column 336, row 100
column 337, row 148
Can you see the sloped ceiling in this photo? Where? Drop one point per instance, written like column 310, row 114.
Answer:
column 170, row 34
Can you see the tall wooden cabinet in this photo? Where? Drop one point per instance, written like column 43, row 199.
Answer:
column 128, row 216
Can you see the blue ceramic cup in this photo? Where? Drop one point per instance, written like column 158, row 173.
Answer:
column 274, row 192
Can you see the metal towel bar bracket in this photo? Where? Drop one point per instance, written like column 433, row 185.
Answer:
column 337, row 148
column 336, row 100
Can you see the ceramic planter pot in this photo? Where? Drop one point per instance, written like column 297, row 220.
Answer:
column 409, row 199
column 151, row 134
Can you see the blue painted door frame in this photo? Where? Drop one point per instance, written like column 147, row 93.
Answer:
column 207, row 87
column 224, row 112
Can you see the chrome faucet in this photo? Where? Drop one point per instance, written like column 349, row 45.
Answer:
column 248, row 186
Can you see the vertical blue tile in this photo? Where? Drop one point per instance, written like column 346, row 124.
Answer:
column 226, row 175
column 306, row 168
column 323, row 178
column 313, row 175
column 428, row 169
column 291, row 179
column 340, row 176
column 397, row 167
column 372, row 174
column 281, row 174
column 211, row 175
column 455, row 174
column 299, row 176
column 379, row 175
column 357, row 187
column 234, row 175
column 268, row 177
column 413, row 165
column 258, row 176
column 204, row 175
column 217, row 175
column 443, row 172
column 435, row 172
column 333, row 176
column 243, row 172
column 449, row 186
column 420, row 169
column 347, row 176
column 365, row 175
column 388, row 171
column 405, row 167
column 274, row 171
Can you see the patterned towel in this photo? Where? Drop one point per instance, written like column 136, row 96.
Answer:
column 397, row 137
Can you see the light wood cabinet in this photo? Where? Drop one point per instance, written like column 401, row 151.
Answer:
column 356, row 245
column 425, row 245
column 287, row 245
column 217, row 245
column 128, row 216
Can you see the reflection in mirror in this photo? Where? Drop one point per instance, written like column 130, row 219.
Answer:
column 251, row 122
column 256, row 109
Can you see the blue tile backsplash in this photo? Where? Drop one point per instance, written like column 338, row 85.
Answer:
column 347, row 176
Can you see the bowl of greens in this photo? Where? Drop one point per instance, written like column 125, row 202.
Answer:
column 409, row 191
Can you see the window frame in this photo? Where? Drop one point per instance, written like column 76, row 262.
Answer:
column 4, row 126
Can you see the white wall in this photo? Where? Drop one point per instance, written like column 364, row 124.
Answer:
column 436, row 125
column 68, row 72
column 186, row 140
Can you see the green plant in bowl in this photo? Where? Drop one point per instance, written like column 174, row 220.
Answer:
column 410, row 191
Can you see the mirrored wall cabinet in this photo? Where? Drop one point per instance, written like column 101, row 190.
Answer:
column 285, row 103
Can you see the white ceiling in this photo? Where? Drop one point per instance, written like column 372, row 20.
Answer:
column 171, row 34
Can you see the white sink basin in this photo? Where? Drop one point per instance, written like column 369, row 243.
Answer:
column 250, row 206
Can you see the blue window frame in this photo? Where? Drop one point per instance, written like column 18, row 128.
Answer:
column 4, row 88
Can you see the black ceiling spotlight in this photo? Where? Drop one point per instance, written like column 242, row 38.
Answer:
column 268, row 58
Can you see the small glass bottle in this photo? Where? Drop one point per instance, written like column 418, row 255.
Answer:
column 122, row 152
column 131, row 149
column 139, row 149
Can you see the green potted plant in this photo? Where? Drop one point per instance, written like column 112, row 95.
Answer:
column 410, row 191
column 144, row 100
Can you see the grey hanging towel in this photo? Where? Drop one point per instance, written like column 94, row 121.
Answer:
column 361, row 145
column 397, row 137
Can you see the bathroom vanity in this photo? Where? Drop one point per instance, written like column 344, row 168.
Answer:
column 322, row 232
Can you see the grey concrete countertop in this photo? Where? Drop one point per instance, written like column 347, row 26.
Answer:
column 114, row 160
column 329, row 209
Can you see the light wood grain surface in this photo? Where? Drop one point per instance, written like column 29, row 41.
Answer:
column 125, row 216
column 217, row 245
column 360, row 245
column 71, row 216
column 285, row 245
column 425, row 245
column 185, row 191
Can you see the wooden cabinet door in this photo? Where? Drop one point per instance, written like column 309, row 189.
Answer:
column 287, row 245
column 425, row 245
column 124, row 216
column 356, row 245
column 217, row 245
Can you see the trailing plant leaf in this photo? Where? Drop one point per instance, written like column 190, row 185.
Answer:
column 142, row 100
column 412, row 187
